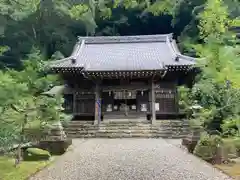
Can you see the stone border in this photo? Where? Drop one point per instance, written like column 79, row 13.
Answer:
column 186, row 151
column 54, row 160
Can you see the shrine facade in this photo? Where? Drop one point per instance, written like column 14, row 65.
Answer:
column 124, row 77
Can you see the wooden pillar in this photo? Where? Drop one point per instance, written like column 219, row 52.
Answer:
column 176, row 98
column 74, row 103
column 153, row 102
column 97, row 118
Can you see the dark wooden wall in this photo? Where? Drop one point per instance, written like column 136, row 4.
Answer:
column 82, row 100
column 167, row 97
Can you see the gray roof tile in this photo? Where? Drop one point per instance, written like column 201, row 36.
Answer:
column 125, row 53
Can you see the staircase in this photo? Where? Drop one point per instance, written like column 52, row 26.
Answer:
column 172, row 129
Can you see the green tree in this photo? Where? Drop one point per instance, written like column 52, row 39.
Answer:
column 10, row 91
column 217, row 87
column 215, row 21
column 23, row 104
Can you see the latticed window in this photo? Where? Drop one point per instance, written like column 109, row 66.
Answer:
column 84, row 103
column 125, row 94
column 85, row 106
column 68, row 103
column 166, row 99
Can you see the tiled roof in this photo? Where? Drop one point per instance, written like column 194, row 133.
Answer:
column 58, row 90
column 125, row 53
column 55, row 90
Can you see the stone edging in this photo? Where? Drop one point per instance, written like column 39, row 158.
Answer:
column 186, row 151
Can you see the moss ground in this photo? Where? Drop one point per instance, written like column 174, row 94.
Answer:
column 230, row 169
column 23, row 171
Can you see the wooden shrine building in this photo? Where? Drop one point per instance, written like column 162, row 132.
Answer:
column 122, row 77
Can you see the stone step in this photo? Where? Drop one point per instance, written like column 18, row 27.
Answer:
column 125, row 132
column 81, row 121
column 172, row 125
column 130, row 125
column 125, row 122
column 106, row 124
column 78, row 124
column 81, row 132
column 125, row 128
column 129, row 122
column 120, row 133
column 128, row 136
column 128, row 128
column 80, row 128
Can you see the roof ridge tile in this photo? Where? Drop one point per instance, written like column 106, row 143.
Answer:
column 125, row 39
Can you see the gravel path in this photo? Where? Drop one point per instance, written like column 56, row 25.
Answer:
column 128, row 159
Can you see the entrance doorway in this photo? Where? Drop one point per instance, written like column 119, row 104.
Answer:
column 125, row 104
column 125, row 101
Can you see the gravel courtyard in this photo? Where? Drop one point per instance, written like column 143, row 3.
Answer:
column 128, row 159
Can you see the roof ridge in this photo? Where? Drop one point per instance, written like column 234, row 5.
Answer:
column 169, row 44
column 75, row 53
column 78, row 49
column 178, row 53
column 125, row 39
column 60, row 60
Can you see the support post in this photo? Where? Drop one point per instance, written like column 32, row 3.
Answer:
column 153, row 102
column 75, row 89
column 176, row 98
column 74, row 103
column 97, row 118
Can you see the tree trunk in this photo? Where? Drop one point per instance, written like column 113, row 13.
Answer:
column 19, row 148
column 18, row 155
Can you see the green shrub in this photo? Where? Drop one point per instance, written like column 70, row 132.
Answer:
column 232, row 146
column 206, row 147
column 237, row 145
column 229, row 149
column 36, row 154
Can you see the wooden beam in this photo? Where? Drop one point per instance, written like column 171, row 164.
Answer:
column 74, row 102
column 97, row 118
column 153, row 101
column 176, row 99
